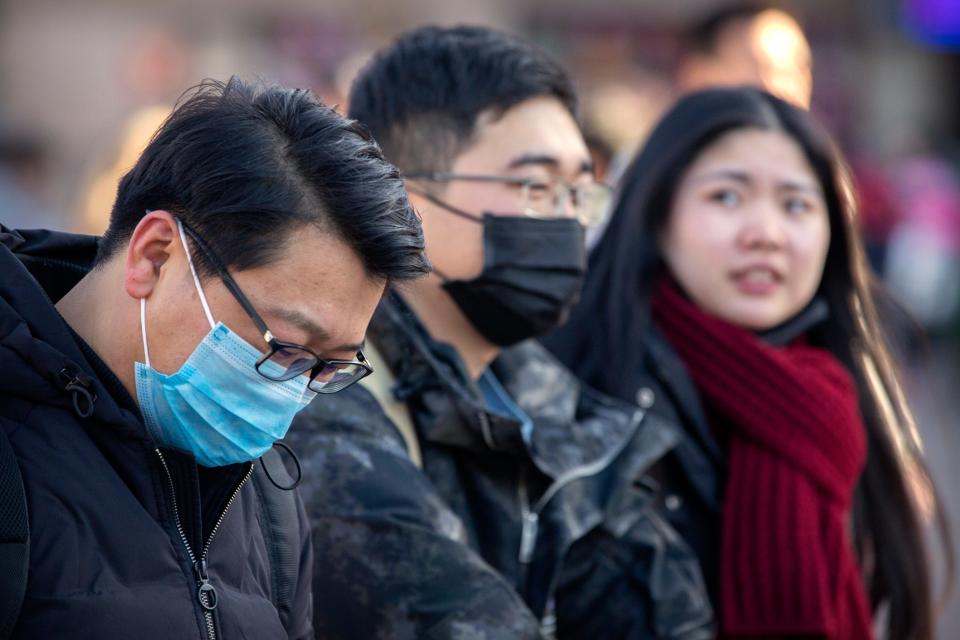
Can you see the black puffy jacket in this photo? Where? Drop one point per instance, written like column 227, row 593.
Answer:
column 121, row 533
column 495, row 537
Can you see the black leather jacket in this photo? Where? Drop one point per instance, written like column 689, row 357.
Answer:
column 496, row 537
column 688, row 481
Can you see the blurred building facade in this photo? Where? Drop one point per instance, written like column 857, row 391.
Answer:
column 74, row 74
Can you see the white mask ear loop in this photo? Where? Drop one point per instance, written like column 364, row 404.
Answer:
column 196, row 280
column 143, row 329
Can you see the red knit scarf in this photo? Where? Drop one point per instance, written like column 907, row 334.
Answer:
column 797, row 446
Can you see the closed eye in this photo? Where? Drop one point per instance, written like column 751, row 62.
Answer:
column 539, row 191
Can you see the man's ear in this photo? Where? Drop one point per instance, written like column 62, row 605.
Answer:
column 152, row 243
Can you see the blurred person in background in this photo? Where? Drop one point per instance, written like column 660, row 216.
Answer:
column 752, row 43
column 472, row 488
column 880, row 208
column 97, row 196
column 22, row 164
column 922, row 263
column 143, row 381
column 732, row 282
column 740, row 44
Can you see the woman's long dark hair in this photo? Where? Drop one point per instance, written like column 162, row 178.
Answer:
column 605, row 338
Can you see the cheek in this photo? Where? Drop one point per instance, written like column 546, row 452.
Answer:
column 174, row 329
column 454, row 245
column 812, row 245
column 695, row 247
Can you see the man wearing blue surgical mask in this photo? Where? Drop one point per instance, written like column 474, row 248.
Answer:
column 143, row 376
column 528, row 516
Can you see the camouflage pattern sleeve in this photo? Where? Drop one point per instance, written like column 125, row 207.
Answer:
column 391, row 560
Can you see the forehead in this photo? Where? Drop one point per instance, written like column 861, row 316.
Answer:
column 759, row 152
column 540, row 126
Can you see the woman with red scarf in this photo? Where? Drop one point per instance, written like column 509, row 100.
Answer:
column 730, row 294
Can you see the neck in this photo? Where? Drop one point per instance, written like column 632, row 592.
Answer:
column 446, row 323
column 94, row 311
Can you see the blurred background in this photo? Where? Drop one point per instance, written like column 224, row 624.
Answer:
column 84, row 84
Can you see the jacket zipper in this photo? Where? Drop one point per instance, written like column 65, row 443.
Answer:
column 530, row 522
column 206, row 593
column 531, row 515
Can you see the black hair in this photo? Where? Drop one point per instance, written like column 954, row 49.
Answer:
column 421, row 95
column 704, row 36
column 605, row 339
column 245, row 165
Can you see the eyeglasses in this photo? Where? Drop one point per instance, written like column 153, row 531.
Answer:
column 286, row 360
column 543, row 198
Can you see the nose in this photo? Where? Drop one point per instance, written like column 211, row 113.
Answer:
column 761, row 230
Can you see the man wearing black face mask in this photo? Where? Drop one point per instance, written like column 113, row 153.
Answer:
column 526, row 482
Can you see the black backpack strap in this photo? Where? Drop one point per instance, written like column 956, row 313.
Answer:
column 281, row 530
column 14, row 538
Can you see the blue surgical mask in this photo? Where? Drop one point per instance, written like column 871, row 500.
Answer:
column 216, row 407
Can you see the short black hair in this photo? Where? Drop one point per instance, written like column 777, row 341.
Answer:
column 245, row 165
column 421, row 95
column 704, row 36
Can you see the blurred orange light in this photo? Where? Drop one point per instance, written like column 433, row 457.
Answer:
column 783, row 56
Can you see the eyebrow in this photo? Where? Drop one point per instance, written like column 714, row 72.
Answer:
column 314, row 330
column 744, row 178
column 800, row 186
column 723, row 174
column 545, row 160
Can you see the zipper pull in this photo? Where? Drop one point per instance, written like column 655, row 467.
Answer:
column 206, row 593
column 528, row 536
column 548, row 623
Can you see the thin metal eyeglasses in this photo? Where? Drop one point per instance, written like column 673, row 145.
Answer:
column 542, row 198
column 286, row 360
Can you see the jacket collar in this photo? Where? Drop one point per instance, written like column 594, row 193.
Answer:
column 670, row 372
column 573, row 428
column 433, row 379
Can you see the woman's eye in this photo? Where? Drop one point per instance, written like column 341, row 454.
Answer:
column 726, row 198
column 796, row 206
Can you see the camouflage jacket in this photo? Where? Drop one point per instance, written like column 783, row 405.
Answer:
column 494, row 537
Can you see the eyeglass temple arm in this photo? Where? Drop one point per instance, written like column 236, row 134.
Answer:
column 423, row 193
column 443, row 176
column 230, row 283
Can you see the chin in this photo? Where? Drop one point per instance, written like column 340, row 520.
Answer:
column 754, row 319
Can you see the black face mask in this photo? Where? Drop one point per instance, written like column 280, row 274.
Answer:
column 532, row 275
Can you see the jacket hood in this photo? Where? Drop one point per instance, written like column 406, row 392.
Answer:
column 42, row 361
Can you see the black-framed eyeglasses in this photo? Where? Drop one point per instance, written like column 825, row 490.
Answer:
column 542, row 198
column 286, row 360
